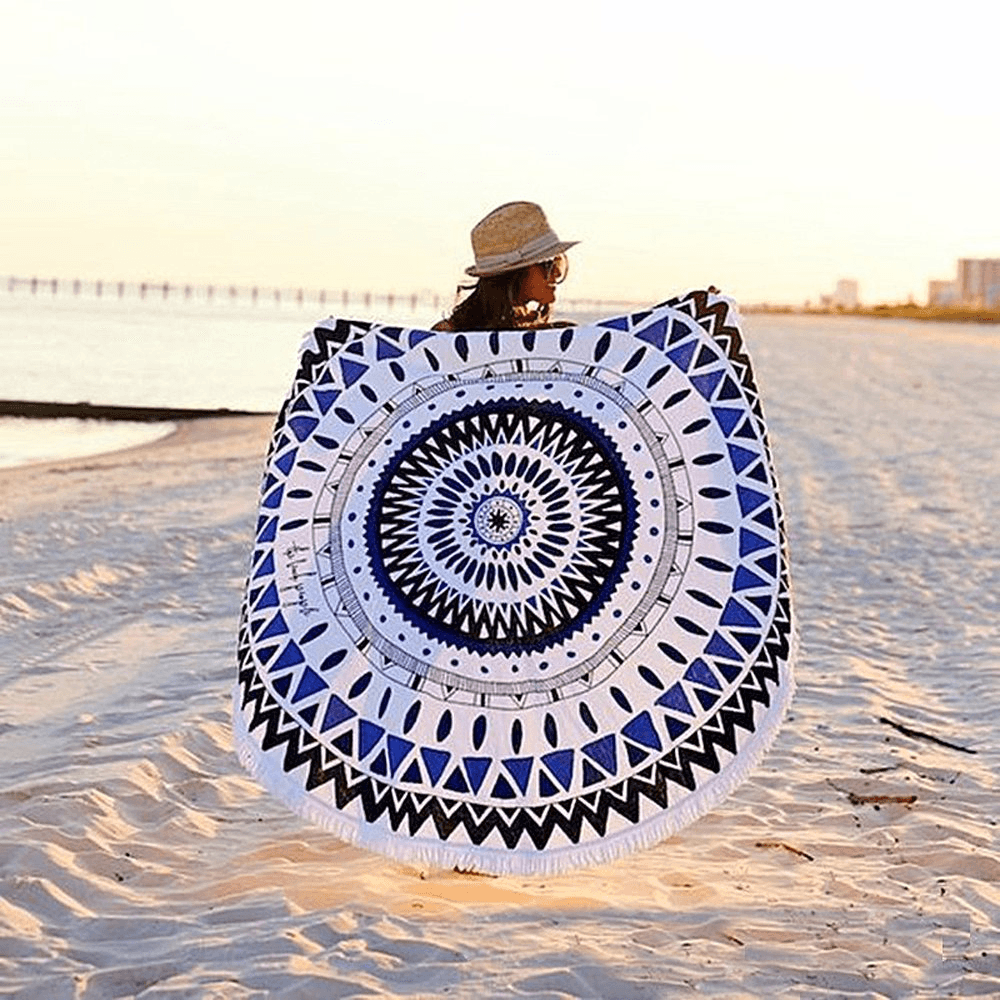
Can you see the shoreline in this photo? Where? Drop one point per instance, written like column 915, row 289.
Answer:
column 936, row 314
column 193, row 451
column 97, row 411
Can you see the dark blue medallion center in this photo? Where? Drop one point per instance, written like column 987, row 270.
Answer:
column 503, row 527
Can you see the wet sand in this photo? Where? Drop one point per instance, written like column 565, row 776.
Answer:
column 861, row 859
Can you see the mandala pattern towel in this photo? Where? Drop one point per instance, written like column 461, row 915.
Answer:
column 518, row 601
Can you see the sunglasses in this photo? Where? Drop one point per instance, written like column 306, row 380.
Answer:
column 556, row 269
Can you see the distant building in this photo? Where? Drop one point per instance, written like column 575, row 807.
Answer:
column 978, row 282
column 942, row 293
column 845, row 296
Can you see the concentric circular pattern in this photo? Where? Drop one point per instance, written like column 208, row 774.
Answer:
column 496, row 504
column 471, row 542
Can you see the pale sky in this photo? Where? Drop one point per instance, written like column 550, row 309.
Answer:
column 769, row 148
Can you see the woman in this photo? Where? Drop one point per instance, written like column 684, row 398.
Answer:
column 519, row 261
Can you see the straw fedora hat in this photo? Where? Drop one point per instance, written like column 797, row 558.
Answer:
column 512, row 236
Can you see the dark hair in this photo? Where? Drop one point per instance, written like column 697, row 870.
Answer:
column 491, row 305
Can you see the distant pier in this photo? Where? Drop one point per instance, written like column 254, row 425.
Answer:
column 259, row 295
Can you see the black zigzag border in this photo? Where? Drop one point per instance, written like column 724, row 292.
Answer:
column 378, row 798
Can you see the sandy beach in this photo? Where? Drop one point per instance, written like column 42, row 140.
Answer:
column 137, row 859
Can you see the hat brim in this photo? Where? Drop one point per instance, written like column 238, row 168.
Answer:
column 536, row 258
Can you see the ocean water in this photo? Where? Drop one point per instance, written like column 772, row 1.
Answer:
column 132, row 352
column 177, row 353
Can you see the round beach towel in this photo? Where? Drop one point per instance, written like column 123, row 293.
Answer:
column 518, row 600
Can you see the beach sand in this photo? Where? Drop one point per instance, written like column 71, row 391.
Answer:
column 137, row 859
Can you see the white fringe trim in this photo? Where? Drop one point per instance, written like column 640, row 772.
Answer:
column 266, row 768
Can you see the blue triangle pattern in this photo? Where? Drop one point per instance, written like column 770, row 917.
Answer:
column 769, row 564
column 618, row 323
column 456, row 781
column 705, row 384
column 730, row 670
column 681, row 356
column 368, row 736
column 741, row 457
column 750, row 499
column 383, row 350
column 287, row 460
column 266, row 568
column 302, row 427
column 291, row 656
column 435, row 761
column 744, row 579
column 727, row 418
column 707, row 698
column 676, row 700
column 591, row 776
column 310, row 683
column 502, row 789
column 655, row 334
column 545, row 786
column 336, row 713
column 560, row 763
column 520, row 770
column 705, row 356
column 729, row 389
column 275, row 627
column 750, row 541
column 747, row 640
column 678, row 331
column 399, row 749
column 378, row 764
column 273, row 499
column 476, row 768
column 344, row 743
column 717, row 646
column 700, row 673
column 735, row 614
column 765, row 518
column 642, row 730
column 269, row 599
column 413, row 774
column 325, row 398
column 351, row 371
column 675, row 727
column 603, row 752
